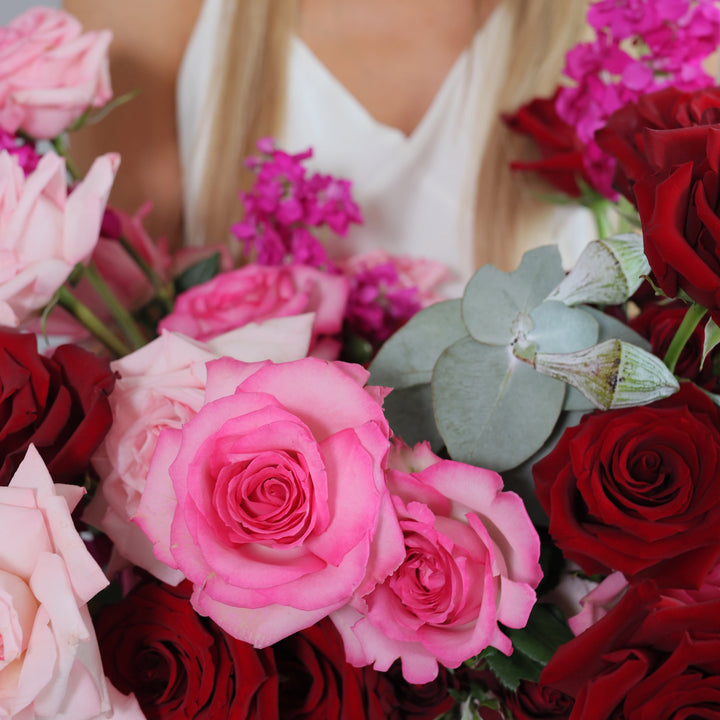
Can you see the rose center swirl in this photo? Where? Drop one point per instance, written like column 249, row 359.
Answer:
column 265, row 499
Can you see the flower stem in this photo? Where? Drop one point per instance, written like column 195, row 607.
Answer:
column 163, row 290
column 88, row 319
column 61, row 149
column 123, row 318
column 693, row 316
column 602, row 221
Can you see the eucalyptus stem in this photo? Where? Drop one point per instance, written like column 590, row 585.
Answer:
column 123, row 318
column 92, row 322
column 163, row 290
column 693, row 316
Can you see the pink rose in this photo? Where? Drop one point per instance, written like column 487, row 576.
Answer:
column 272, row 499
column 598, row 602
column 50, row 664
column 44, row 232
column 471, row 562
column 255, row 293
column 50, row 72
column 162, row 385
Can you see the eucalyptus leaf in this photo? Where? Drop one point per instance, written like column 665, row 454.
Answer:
column 493, row 299
column 492, row 410
column 611, row 327
column 520, row 479
column 711, row 341
column 408, row 357
column 558, row 328
column 410, row 414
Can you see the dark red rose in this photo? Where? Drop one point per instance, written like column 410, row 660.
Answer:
column 422, row 702
column 561, row 151
column 59, row 404
column 636, row 490
column 658, row 322
column 318, row 684
column 668, row 152
column 625, row 132
column 538, row 702
column 649, row 657
column 180, row 665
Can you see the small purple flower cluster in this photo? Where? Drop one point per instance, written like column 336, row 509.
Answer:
column 640, row 46
column 287, row 211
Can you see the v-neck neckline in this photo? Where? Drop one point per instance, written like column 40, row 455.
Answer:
column 437, row 102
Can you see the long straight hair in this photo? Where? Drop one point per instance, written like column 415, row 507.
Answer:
column 246, row 103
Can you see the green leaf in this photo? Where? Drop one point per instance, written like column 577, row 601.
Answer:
column 409, row 356
column 558, row 328
column 491, row 409
column 712, row 339
column 494, row 299
column 197, row 274
column 410, row 414
column 545, row 632
column 511, row 670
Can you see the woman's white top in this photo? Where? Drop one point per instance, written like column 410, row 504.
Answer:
column 416, row 192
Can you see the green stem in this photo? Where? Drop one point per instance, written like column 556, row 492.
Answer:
column 123, row 318
column 163, row 290
column 693, row 316
column 61, row 149
column 599, row 210
column 88, row 319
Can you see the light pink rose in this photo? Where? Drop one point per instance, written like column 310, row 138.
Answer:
column 598, row 602
column 44, row 232
column 49, row 661
column 162, row 385
column 272, row 499
column 255, row 293
column 50, row 72
column 471, row 562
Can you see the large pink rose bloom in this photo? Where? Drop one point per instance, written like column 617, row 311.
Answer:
column 255, row 293
column 471, row 562
column 44, row 232
column 162, row 385
column 272, row 499
column 50, row 664
column 50, row 72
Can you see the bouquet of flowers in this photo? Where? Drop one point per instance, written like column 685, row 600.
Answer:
column 215, row 509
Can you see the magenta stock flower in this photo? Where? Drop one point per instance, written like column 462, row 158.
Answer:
column 287, row 211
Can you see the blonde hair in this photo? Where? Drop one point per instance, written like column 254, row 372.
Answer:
column 247, row 103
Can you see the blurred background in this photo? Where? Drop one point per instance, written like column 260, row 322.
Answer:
column 10, row 8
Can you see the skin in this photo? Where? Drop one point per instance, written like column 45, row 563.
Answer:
column 392, row 56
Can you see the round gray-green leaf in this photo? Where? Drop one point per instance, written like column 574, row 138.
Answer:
column 563, row 328
column 409, row 356
column 492, row 409
column 493, row 299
